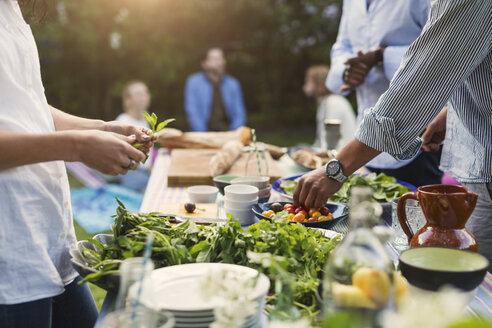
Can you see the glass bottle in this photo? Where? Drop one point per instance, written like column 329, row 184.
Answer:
column 131, row 271
column 358, row 277
column 257, row 164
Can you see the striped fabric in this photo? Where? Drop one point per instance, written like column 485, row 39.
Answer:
column 451, row 60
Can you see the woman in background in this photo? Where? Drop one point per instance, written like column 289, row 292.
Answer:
column 330, row 107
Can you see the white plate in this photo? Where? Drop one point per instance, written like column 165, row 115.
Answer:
column 177, row 288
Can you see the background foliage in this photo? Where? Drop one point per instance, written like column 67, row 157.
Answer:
column 90, row 48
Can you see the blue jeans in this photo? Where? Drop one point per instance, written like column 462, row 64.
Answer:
column 75, row 308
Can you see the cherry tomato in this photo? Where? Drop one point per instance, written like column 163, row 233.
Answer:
column 287, row 206
column 325, row 217
column 305, row 220
column 298, row 217
column 268, row 213
column 313, row 220
column 325, row 211
column 316, row 215
column 299, row 209
column 312, row 210
column 291, row 216
column 272, row 216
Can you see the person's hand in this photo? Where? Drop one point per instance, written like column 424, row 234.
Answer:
column 314, row 189
column 435, row 132
column 358, row 68
column 142, row 134
column 108, row 152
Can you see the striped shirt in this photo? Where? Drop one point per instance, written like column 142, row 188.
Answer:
column 450, row 60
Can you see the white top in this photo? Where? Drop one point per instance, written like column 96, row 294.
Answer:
column 124, row 117
column 335, row 107
column 36, row 227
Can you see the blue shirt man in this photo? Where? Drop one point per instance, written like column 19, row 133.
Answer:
column 381, row 31
column 214, row 100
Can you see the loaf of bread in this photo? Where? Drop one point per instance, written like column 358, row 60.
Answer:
column 198, row 140
column 225, row 158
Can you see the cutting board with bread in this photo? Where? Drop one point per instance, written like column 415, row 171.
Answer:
column 198, row 166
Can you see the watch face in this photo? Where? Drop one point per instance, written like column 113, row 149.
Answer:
column 333, row 168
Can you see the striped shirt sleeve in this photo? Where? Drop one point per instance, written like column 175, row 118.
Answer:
column 455, row 40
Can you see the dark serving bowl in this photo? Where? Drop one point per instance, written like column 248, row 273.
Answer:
column 222, row 181
column 431, row 268
column 109, row 282
column 386, row 216
column 339, row 212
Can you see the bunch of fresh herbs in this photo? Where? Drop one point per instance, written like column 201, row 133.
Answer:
column 305, row 250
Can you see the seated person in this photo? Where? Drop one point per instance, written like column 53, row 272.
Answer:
column 213, row 99
column 136, row 101
column 330, row 107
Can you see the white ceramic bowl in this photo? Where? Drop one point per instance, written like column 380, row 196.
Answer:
column 256, row 181
column 265, row 191
column 239, row 205
column 245, row 217
column 241, row 193
column 202, row 194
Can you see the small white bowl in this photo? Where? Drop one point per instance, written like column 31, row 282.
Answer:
column 245, row 217
column 256, row 181
column 241, row 193
column 265, row 191
column 234, row 204
column 202, row 194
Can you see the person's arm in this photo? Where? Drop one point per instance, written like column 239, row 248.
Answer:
column 340, row 53
column 193, row 113
column 454, row 41
column 110, row 153
column 239, row 117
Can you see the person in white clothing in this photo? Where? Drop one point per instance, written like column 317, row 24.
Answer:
column 38, row 286
column 330, row 107
column 136, row 101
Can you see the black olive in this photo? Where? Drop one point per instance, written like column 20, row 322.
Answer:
column 190, row 207
column 276, row 207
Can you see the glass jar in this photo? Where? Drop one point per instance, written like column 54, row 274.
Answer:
column 131, row 271
column 358, row 276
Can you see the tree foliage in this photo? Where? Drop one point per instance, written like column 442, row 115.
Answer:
column 90, row 48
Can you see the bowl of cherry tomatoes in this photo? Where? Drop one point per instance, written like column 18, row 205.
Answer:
column 324, row 217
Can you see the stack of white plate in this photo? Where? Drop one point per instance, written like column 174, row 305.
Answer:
column 177, row 289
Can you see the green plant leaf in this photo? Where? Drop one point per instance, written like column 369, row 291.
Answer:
column 162, row 125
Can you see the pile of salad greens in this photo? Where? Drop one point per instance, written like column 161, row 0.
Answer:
column 304, row 250
column 385, row 188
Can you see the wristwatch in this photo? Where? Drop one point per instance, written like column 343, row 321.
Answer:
column 334, row 171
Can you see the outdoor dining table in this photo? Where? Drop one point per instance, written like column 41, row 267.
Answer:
column 157, row 193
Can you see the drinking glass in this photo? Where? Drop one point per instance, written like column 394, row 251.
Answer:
column 141, row 317
column 416, row 220
column 131, row 271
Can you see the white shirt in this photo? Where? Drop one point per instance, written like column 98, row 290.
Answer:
column 391, row 24
column 36, row 227
column 335, row 107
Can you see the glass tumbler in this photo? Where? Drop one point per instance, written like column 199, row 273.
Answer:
column 141, row 317
column 416, row 220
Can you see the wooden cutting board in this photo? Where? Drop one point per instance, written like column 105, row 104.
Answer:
column 189, row 167
column 209, row 211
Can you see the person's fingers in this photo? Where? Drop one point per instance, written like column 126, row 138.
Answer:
column 359, row 69
column 297, row 193
column 305, row 194
column 345, row 88
column 309, row 199
column 320, row 200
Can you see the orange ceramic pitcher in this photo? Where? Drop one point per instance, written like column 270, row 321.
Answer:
column 446, row 209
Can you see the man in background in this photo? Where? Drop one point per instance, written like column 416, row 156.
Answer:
column 372, row 38
column 213, row 99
